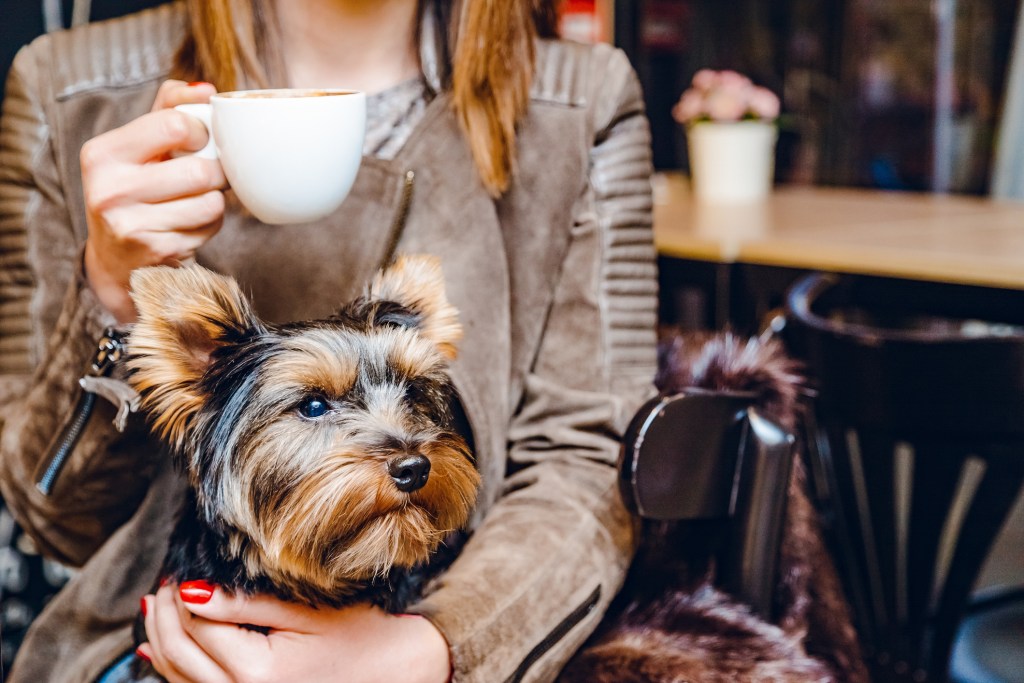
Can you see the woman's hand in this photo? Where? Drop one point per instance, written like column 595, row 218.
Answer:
column 143, row 207
column 194, row 636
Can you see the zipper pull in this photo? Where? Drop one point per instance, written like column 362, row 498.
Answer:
column 109, row 352
column 117, row 392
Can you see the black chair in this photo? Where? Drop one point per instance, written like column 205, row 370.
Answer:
column 920, row 442
column 704, row 455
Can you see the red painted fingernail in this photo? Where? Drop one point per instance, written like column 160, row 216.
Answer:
column 142, row 605
column 195, row 83
column 197, row 592
column 142, row 655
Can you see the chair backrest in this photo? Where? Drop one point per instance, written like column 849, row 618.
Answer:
column 921, row 438
column 707, row 455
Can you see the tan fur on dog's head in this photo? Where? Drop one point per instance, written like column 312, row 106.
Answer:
column 185, row 314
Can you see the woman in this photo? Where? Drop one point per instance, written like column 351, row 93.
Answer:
column 522, row 163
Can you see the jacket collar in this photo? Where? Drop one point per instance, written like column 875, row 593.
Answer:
column 431, row 49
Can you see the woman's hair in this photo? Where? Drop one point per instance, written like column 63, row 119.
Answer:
column 486, row 60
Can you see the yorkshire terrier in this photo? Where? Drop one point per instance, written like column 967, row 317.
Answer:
column 323, row 461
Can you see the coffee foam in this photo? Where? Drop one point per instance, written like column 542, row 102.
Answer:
column 282, row 94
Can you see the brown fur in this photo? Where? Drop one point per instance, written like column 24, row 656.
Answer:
column 696, row 637
column 419, row 285
column 671, row 625
column 182, row 320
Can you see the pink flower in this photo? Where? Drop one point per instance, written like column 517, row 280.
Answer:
column 726, row 105
column 705, row 79
column 689, row 107
column 764, row 104
column 724, row 96
column 731, row 79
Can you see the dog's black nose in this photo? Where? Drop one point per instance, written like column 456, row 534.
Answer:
column 410, row 472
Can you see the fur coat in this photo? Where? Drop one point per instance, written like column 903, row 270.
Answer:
column 670, row 624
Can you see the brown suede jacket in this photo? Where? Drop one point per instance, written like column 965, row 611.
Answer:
column 555, row 284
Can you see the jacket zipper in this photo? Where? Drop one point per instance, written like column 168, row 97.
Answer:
column 66, row 444
column 110, row 350
column 560, row 631
column 398, row 225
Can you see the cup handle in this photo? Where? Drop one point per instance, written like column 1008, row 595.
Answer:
column 203, row 112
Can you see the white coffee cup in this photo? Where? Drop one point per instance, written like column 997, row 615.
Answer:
column 291, row 155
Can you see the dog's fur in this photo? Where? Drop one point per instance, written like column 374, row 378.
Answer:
column 669, row 624
column 292, row 436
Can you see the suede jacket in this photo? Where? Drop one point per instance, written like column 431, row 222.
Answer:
column 555, row 284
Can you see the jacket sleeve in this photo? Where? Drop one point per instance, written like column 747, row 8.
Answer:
column 49, row 327
column 539, row 572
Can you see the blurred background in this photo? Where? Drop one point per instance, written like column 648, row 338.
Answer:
column 875, row 93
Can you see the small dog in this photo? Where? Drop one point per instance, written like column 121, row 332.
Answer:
column 322, row 460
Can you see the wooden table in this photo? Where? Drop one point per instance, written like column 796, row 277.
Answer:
column 944, row 239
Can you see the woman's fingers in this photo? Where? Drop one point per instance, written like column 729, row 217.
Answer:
column 147, row 138
column 175, row 248
column 242, row 652
column 215, row 604
column 153, row 183
column 173, row 92
column 174, row 653
column 153, row 648
column 170, row 220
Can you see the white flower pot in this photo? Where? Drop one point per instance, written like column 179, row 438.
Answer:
column 731, row 162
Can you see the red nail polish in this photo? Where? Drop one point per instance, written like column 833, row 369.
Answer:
column 142, row 605
column 142, row 655
column 197, row 592
column 195, row 83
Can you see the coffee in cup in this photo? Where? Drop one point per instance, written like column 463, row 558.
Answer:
column 290, row 155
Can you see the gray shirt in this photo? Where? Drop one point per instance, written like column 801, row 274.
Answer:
column 391, row 116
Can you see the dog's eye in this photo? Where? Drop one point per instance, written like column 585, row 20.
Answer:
column 312, row 407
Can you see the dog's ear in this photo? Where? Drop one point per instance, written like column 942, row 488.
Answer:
column 417, row 284
column 184, row 315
